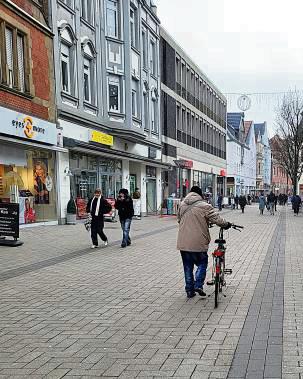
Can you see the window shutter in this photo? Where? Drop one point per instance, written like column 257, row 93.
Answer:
column 9, row 55
column 20, row 55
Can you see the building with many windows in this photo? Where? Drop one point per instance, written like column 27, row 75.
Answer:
column 241, row 155
column 28, row 131
column 107, row 80
column 263, row 180
column 280, row 181
column 193, row 118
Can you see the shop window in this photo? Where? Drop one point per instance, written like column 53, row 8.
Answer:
column 28, row 178
column 112, row 18
column 14, row 67
column 114, row 94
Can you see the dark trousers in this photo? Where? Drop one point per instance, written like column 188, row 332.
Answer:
column 242, row 208
column 190, row 260
column 97, row 229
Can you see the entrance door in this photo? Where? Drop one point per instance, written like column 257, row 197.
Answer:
column 132, row 184
column 151, row 196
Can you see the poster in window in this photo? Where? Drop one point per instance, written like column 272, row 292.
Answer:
column 40, row 167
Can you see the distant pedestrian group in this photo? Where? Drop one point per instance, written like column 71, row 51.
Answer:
column 97, row 207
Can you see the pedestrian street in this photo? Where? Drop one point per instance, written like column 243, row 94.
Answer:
column 69, row 311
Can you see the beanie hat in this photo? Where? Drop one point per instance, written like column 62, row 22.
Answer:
column 197, row 190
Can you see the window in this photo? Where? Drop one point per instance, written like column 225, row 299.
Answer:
column 9, row 57
column 145, row 111
column 65, row 68
column 87, row 80
column 178, row 117
column 133, row 27
column 134, row 103
column 69, row 3
column 153, row 57
column 154, row 115
column 13, row 59
column 87, row 10
column 114, row 94
column 112, row 23
column 144, row 48
column 89, row 83
column 68, row 81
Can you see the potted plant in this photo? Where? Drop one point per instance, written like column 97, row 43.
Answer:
column 71, row 212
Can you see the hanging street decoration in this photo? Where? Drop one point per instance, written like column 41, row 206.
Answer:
column 244, row 103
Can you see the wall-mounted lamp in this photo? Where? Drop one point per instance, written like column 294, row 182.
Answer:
column 68, row 172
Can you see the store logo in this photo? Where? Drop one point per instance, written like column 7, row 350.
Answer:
column 28, row 127
column 27, row 124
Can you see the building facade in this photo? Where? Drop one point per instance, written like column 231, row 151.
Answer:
column 108, row 85
column 193, row 117
column 28, row 131
column 241, row 155
column 280, row 181
column 263, row 180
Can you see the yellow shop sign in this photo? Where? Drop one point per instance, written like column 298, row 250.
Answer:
column 99, row 137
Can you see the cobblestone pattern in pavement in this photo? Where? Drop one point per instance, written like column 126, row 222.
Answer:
column 293, row 300
column 259, row 351
column 123, row 312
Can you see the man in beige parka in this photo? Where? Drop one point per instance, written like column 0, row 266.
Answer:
column 194, row 217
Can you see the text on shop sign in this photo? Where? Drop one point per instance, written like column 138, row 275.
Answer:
column 99, row 137
column 28, row 127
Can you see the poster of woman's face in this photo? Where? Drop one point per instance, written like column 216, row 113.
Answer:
column 40, row 166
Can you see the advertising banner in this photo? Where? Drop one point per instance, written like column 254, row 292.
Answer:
column 9, row 220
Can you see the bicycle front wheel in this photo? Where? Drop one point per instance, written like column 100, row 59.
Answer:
column 217, row 288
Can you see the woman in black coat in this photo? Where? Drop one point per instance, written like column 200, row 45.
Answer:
column 97, row 207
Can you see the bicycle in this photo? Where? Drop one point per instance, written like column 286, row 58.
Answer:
column 219, row 269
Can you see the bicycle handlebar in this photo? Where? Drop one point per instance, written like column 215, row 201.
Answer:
column 237, row 227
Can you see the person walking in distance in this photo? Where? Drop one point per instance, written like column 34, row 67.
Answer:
column 97, row 207
column 296, row 203
column 124, row 205
column 194, row 217
column 242, row 202
column 237, row 202
column 220, row 201
column 232, row 201
column 262, row 202
column 271, row 198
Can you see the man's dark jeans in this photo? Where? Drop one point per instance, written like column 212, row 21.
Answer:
column 125, row 225
column 190, row 260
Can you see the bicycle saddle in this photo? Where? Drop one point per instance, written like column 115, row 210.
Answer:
column 220, row 241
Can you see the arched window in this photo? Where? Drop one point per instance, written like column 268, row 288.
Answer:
column 89, row 73
column 68, row 61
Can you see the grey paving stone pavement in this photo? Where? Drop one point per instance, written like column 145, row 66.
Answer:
column 67, row 311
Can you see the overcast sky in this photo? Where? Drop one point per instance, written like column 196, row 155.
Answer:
column 242, row 46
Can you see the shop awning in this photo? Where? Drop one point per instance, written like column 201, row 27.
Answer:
column 90, row 148
column 29, row 144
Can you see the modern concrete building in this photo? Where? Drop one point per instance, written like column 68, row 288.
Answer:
column 193, row 118
column 108, row 86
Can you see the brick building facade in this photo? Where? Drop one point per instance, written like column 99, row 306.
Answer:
column 28, row 132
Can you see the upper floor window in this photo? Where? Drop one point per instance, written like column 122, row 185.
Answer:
column 114, row 94
column 144, row 48
column 13, row 58
column 89, row 82
column 153, row 57
column 87, row 10
column 112, row 18
column 133, row 27
column 69, row 3
column 67, row 58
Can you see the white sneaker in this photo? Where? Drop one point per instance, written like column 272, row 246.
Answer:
column 93, row 247
column 105, row 243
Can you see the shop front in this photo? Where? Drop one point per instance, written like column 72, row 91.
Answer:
column 28, row 166
column 89, row 172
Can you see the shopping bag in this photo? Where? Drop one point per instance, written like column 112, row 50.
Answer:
column 88, row 223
